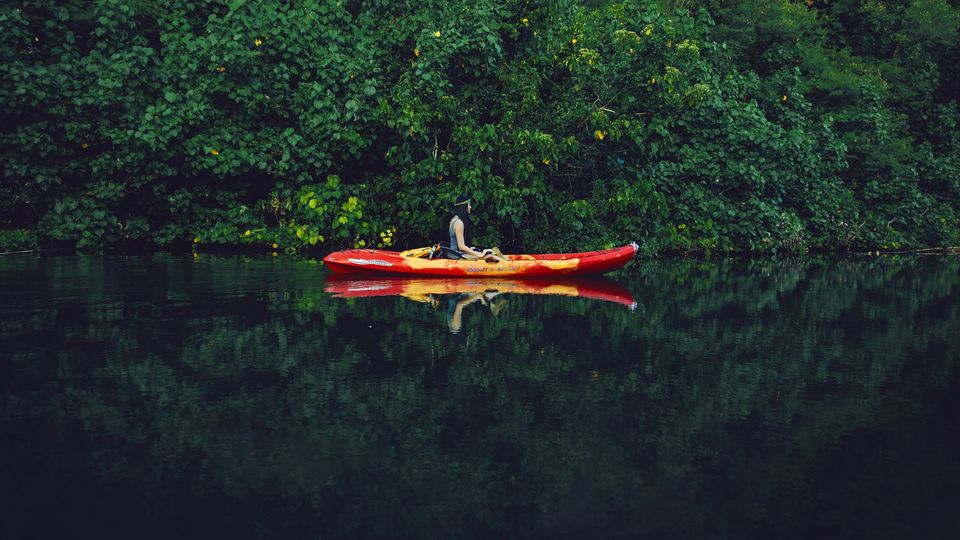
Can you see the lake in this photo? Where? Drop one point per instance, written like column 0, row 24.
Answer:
column 168, row 396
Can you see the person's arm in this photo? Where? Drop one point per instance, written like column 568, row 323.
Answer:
column 464, row 248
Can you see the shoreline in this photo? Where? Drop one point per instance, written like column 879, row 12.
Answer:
column 673, row 254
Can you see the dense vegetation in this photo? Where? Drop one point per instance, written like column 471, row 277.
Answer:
column 754, row 125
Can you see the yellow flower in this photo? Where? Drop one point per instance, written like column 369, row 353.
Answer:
column 84, row 145
column 599, row 134
column 363, row 243
column 221, row 69
column 525, row 21
column 436, row 34
column 653, row 80
column 247, row 232
column 196, row 239
column 274, row 254
column 416, row 52
column 546, row 161
column 215, row 152
column 574, row 41
column 274, row 245
column 784, row 99
column 257, row 42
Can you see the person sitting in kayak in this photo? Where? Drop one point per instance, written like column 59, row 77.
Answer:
column 459, row 228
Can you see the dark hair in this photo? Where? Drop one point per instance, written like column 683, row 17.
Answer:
column 459, row 207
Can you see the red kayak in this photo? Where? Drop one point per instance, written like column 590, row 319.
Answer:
column 420, row 289
column 417, row 262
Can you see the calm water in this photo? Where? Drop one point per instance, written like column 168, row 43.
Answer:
column 169, row 397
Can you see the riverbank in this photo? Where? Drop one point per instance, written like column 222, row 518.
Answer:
column 241, row 249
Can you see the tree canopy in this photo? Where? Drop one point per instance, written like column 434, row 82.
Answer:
column 755, row 125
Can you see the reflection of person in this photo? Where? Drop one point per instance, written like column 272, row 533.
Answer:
column 457, row 303
column 459, row 229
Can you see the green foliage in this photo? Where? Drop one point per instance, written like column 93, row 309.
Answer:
column 616, row 211
column 17, row 240
column 318, row 208
column 759, row 125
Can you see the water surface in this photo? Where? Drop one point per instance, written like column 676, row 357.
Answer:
column 166, row 396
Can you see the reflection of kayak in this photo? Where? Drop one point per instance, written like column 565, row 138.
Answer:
column 343, row 286
column 367, row 261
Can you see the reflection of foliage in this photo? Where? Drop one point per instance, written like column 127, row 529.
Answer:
column 238, row 378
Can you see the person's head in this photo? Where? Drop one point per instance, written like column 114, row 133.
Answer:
column 461, row 206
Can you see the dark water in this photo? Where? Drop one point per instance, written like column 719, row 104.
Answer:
column 167, row 397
